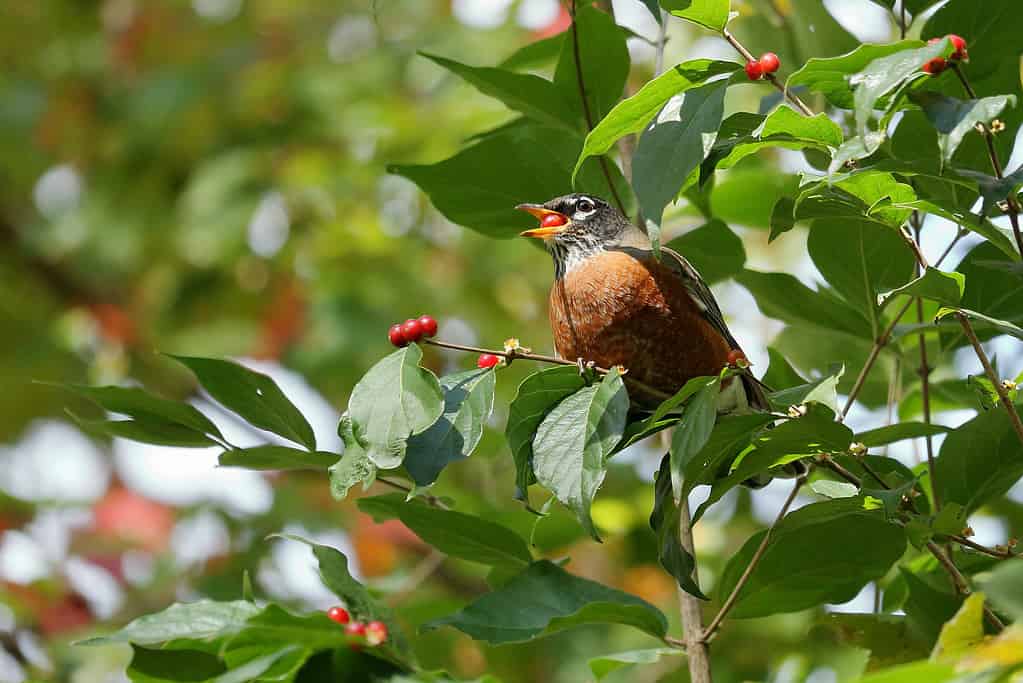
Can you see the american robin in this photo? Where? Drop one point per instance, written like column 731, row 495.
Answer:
column 614, row 303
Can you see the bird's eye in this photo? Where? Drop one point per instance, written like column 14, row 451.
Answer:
column 584, row 207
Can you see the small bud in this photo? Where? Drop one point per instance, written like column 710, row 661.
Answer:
column 1012, row 542
column 512, row 345
column 980, row 128
column 622, row 370
column 1003, row 206
column 967, row 532
column 1009, row 385
column 857, row 449
column 797, row 411
column 997, row 126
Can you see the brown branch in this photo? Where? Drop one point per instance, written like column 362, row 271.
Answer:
column 1003, row 394
column 602, row 160
column 691, row 609
column 514, row 353
column 748, row 56
column 754, row 561
column 992, row 153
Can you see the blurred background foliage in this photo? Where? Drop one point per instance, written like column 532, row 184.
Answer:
column 208, row 178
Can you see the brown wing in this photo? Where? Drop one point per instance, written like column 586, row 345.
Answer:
column 705, row 301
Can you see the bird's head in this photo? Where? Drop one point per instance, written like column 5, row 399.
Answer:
column 576, row 226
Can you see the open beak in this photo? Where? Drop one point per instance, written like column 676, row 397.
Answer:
column 540, row 211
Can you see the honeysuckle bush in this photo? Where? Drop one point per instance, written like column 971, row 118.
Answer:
column 888, row 148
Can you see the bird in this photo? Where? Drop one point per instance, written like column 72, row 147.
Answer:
column 615, row 303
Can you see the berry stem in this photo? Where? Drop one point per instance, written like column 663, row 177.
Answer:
column 996, row 165
column 512, row 355
column 748, row 56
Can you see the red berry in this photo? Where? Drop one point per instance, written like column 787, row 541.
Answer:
column 737, row 358
column 487, row 360
column 959, row 43
column 355, row 629
column 769, row 62
column 397, row 336
column 552, row 220
column 935, row 66
column 754, row 70
column 412, row 330
column 376, row 632
column 428, row 324
column 339, row 614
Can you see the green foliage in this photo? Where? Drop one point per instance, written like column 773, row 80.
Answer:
column 545, row 598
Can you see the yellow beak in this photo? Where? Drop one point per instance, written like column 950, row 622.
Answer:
column 540, row 211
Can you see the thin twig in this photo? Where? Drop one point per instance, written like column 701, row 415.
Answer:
column 996, row 165
column 432, row 500
column 959, row 582
column 748, row 56
column 1003, row 394
column 754, row 561
column 924, row 370
column 602, row 160
column 991, row 552
column 883, row 338
column 514, row 353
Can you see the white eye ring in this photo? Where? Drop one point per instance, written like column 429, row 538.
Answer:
column 583, row 208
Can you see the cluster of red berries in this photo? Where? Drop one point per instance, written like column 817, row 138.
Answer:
column 939, row 64
column 375, row 632
column 767, row 64
column 412, row 330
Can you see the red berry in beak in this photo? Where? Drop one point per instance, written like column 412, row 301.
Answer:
column 552, row 220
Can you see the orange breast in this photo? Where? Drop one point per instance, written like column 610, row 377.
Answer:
column 615, row 309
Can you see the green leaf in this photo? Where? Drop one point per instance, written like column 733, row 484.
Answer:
column 834, row 489
column 1000, row 326
column 693, row 432
column 712, row 14
column 885, row 74
column 675, row 145
column 882, row 436
column 571, row 445
column 155, row 420
column 782, row 296
column 854, row 149
column 531, row 95
column 665, row 520
column 291, row 656
column 468, row 403
column 354, row 466
column 602, row 66
column 173, row 666
column 633, row 114
column 277, row 458
column 394, row 400
column 916, row 672
column 732, row 202
column 743, row 134
column 962, row 632
column 536, row 164
column 935, row 285
column 780, row 374
column 979, row 460
column 1004, row 585
column 253, row 396
column 823, row 391
column 545, row 598
column 453, row 533
column 955, row 118
column 715, row 251
column 816, row 431
column 992, row 290
column 333, row 568
column 731, row 435
column 203, row 620
column 606, row 664
column 927, row 607
column 824, row 552
column 147, row 430
column 885, row 636
column 859, row 260
column 535, row 398
column 978, row 224
column 830, row 75
column 535, row 54
column 995, row 190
